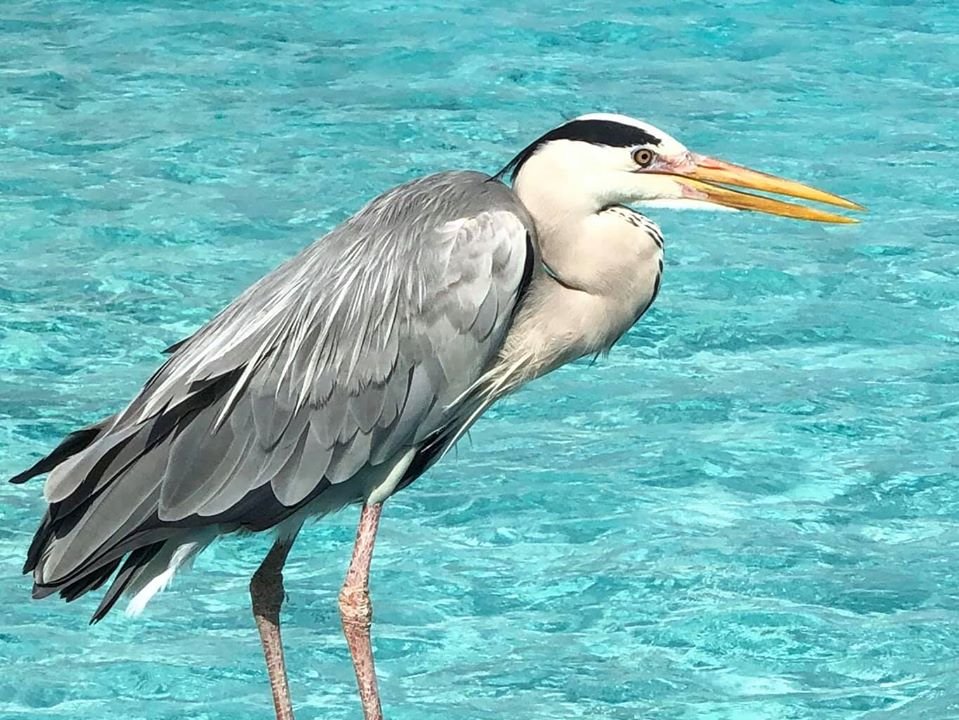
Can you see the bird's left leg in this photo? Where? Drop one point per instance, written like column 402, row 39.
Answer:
column 357, row 612
column 266, row 591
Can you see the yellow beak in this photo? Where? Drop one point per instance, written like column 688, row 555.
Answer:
column 706, row 179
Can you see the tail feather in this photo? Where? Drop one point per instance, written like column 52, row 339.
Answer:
column 135, row 562
column 62, row 518
column 89, row 582
column 39, row 542
column 84, row 469
column 106, row 484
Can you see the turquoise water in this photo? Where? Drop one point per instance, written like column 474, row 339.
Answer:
column 749, row 510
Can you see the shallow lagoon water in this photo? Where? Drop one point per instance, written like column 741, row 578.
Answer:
column 750, row 509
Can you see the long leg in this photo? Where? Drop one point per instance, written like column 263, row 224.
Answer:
column 266, row 590
column 357, row 612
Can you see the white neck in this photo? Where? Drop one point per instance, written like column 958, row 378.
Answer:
column 601, row 272
column 562, row 206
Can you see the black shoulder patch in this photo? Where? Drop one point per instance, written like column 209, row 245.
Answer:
column 596, row 132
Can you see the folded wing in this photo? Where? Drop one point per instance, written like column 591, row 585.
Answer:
column 319, row 376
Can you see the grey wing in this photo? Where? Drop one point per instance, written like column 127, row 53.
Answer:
column 347, row 357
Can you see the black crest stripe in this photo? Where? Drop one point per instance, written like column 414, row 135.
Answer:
column 597, row 132
column 602, row 132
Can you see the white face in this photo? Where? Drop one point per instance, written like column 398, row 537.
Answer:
column 619, row 160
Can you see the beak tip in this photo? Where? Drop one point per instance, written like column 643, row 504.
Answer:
column 851, row 205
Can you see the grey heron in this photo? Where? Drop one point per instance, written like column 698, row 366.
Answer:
column 345, row 373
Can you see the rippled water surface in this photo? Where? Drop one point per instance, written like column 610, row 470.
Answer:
column 749, row 510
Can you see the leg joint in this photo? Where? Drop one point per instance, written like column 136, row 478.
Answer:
column 356, row 610
column 266, row 590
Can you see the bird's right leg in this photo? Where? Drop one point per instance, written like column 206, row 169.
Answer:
column 266, row 590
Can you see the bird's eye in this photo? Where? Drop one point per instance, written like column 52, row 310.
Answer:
column 643, row 157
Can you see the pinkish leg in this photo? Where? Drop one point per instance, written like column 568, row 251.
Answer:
column 266, row 590
column 357, row 612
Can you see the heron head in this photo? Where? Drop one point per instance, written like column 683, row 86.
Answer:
column 602, row 159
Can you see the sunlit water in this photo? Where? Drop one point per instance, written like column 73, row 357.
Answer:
column 749, row 510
